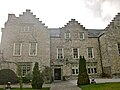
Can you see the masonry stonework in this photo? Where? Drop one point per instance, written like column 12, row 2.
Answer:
column 60, row 48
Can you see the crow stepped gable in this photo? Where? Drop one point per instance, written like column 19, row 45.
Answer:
column 26, row 40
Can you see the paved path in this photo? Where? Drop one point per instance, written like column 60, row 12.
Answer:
column 64, row 85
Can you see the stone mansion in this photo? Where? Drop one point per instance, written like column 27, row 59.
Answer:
column 26, row 40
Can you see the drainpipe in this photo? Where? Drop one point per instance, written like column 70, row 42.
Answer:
column 99, row 46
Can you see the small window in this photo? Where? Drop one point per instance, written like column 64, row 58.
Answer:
column 59, row 53
column 17, row 49
column 73, row 71
column 88, row 70
column 90, row 52
column 75, row 53
column 33, row 49
column 67, row 35
column 82, row 35
column 118, row 48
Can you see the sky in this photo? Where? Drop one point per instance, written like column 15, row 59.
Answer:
column 92, row 14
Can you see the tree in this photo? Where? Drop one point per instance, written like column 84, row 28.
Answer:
column 37, row 80
column 83, row 76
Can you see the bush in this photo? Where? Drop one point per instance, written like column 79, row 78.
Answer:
column 47, row 73
column 37, row 80
column 83, row 76
column 7, row 75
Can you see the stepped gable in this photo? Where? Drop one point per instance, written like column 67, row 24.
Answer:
column 73, row 21
column 29, row 13
column 114, row 20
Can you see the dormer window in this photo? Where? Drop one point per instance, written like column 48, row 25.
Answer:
column 67, row 35
column 82, row 35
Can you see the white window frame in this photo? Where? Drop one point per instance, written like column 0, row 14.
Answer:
column 62, row 53
column 83, row 35
column 73, row 53
column 24, row 66
column 92, row 66
column 74, row 67
column 30, row 49
column 68, row 35
column 92, row 53
column 14, row 49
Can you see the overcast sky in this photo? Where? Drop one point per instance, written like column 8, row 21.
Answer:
column 92, row 14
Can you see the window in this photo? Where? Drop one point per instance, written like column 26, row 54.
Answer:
column 33, row 49
column 17, row 49
column 91, row 68
column 75, row 53
column 118, row 48
column 67, row 35
column 26, row 67
column 90, row 52
column 60, row 53
column 82, row 35
column 75, row 69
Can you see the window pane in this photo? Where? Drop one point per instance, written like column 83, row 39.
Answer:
column 33, row 48
column 67, row 35
column 119, row 48
column 59, row 52
column 75, row 52
column 90, row 52
column 89, row 70
column 81, row 35
column 17, row 49
column 73, row 71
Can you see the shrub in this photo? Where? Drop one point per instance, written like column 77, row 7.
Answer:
column 37, row 80
column 83, row 76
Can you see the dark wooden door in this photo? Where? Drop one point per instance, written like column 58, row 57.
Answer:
column 57, row 74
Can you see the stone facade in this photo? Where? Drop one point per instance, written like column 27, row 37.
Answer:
column 26, row 40
column 24, row 30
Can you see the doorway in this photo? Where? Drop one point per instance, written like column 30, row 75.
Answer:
column 57, row 74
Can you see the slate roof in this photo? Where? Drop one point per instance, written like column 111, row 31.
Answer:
column 95, row 32
column 55, row 32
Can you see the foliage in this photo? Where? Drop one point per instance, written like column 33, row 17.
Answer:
column 27, row 78
column 7, row 75
column 103, row 86
column 47, row 73
column 83, row 76
column 37, row 80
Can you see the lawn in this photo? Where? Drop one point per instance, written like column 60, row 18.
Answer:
column 103, row 86
column 27, row 89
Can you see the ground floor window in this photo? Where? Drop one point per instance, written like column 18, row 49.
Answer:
column 92, row 68
column 26, row 67
column 75, row 69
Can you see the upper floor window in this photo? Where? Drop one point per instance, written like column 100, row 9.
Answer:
column 118, row 47
column 17, row 49
column 60, row 53
column 90, row 52
column 33, row 49
column 82, row 36
column 75, row 52
column 67, row 35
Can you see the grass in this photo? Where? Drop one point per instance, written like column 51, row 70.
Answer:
column 27, row 89
column 103, row 86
